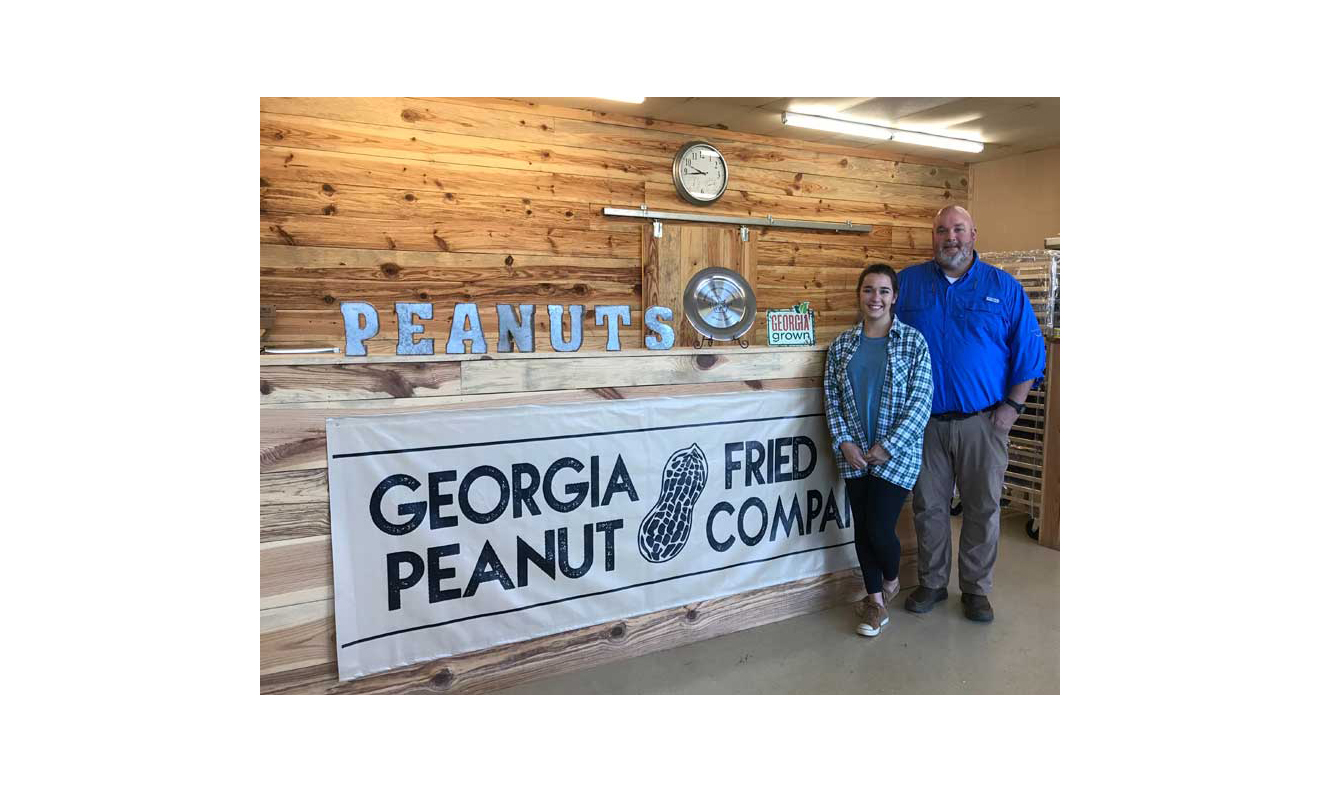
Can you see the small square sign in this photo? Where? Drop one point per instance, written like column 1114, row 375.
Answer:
column 794, row 326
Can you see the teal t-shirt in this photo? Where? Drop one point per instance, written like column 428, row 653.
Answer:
column 866, row 374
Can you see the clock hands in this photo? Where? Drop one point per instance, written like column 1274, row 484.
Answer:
column 694, row 171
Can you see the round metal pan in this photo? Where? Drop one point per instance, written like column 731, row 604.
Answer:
column 719, row 304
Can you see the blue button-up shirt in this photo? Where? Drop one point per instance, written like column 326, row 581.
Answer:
column 981, row 331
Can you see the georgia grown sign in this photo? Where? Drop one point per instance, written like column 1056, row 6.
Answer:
column 459, row 530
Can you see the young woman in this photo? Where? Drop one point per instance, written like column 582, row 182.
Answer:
column 877, row 402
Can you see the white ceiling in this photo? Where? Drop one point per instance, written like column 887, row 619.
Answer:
column 1007, row 126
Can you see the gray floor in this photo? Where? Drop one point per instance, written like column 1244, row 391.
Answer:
column 939, row 652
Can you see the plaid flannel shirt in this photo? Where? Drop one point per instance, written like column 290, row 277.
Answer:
column 904, row 403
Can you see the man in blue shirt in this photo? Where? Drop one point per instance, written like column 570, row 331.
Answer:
column 986, row 351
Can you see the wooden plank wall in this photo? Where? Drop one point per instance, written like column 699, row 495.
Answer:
column 488, row 201
column 491, row 200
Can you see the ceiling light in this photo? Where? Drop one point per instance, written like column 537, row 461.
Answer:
column 858, row 129
column 625, row 99
column 837, row 125
column 938, row 141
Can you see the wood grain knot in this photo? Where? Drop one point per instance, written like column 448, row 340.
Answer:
column 692, row 615
column 508, row 261
column 409, row 114
column 617, row 631
column 266, row 389
column 327, row 189
column 390, row 269
column 409, row 197
column 706, row 362
column 442, row 680
column 329, row 299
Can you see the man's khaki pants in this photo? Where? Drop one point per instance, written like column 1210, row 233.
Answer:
column 974, row 453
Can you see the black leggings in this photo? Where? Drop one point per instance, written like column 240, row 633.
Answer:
column 875, row 507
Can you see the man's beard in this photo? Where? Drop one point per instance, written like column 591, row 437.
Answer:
column 956, row 260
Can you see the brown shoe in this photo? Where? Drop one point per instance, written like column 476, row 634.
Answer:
column 888, row 590
column 874, row 619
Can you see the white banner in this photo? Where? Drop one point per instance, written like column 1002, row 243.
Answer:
column 457, row 531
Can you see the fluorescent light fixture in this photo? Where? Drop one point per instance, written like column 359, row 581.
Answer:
column 837, row 125
column 938, row 141
column 625, row 99
column 859, row 129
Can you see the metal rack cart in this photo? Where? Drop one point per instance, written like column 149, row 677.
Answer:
column 1038, row 272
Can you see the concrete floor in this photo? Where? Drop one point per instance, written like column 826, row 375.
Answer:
column 938, row 652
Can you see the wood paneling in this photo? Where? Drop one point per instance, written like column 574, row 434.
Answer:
column 912, row 166
column 500, row 376
column 298, row 650
column 1049, row 512
column 739, row 203
column 302, row 637
column 303, row 132
column 427, row 115
column 500, row 180
column 336, row 169
column 497, row 201
column 685, row 250
column 294, row 571
column 445, row 234
column 280, row 384
column 296, row 487
column 280, row 521
column 293, row 435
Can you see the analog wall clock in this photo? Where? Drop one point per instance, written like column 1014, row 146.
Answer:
column 700, row 173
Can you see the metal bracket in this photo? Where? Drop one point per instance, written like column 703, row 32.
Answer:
column 657, row 229
column 742, row 232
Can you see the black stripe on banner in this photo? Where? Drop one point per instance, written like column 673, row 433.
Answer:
column 595, row 594
column 570, row 436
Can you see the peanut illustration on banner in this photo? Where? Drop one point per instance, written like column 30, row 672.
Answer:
column 666, row 528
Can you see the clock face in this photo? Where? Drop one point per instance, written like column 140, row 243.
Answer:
column 719, row 304
column 700, row 174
